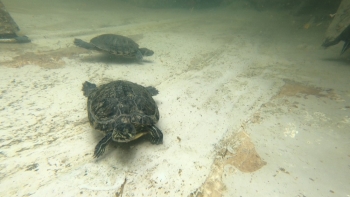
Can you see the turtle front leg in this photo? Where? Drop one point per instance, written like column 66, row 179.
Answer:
column 156, row 135
column 101, row 146
column 138, row 56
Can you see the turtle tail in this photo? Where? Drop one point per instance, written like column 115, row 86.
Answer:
column 83, row 44
column 88, row 88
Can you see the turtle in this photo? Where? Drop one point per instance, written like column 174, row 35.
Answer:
column 116, row 45
column 344, row 36
column 339, row 29
column 9, row 29
column 124, row 111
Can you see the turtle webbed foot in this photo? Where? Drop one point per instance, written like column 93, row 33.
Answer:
column 22, row 39
column 345, row 47
column 152, row 90
column 88, row 88
column 101, row 146
column 156, row 135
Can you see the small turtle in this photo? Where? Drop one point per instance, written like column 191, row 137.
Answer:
column 115, row 44
column 123, row 111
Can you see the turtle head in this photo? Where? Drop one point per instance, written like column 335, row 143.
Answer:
column 88, row 88
column 124, row 133
column 146, row 52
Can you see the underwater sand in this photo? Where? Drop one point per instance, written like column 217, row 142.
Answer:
column 250, row 104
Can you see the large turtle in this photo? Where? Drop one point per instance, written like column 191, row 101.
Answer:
column 123, row 111
column 116, row 45
column 9, row 29
column 339, row 29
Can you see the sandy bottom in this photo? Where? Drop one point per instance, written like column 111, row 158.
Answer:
column 250, row 104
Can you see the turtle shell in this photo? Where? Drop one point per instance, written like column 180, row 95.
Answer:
column 116, row 44
column 121, row 102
